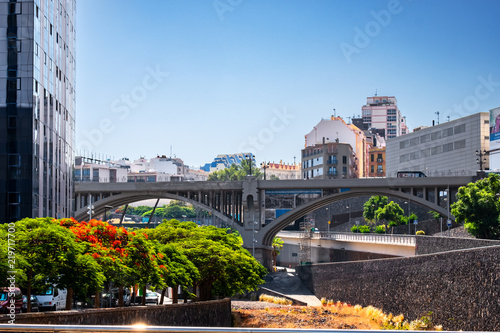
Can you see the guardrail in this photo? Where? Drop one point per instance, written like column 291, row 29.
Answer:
column 170, row 329
column 353, row 237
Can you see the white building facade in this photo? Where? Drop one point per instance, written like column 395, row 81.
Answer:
column 447, row 149
column 382, row 112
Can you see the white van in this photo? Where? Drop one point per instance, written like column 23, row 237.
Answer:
column 53, row 299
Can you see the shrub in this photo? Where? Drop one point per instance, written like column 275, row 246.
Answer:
column 275, row 300
column 420, row 232
column 364, row 229
column 355, row 228
column 380, row 229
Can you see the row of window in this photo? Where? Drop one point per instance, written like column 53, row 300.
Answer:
column 332, row 159
column 380, row 169
column 432, row 136
column 432, row 151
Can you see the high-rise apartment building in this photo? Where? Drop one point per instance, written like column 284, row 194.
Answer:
column 382, row 112
column 37, row 108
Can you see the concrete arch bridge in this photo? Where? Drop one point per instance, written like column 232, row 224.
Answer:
column 241, row 204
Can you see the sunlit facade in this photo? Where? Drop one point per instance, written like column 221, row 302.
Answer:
column 37, row 108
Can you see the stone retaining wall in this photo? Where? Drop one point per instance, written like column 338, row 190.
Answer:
column 461, row 288
column 212, row 313
column 434, row 244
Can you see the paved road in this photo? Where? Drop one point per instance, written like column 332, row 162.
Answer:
column 289, row 284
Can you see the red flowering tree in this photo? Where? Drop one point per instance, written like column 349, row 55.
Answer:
column 107, row 244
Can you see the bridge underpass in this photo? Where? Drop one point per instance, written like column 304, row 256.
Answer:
column 335, row 247
column 241, row 204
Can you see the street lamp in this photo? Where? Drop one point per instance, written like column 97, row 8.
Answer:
column 264, row 166
column 409, row 226
column 481, row 158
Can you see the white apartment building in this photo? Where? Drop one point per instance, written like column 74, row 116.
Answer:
column 447, row 149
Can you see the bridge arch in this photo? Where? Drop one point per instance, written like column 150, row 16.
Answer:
column 284, row 220
column 127, row 198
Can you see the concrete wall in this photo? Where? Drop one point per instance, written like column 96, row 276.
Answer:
column 461, row 287
column 211, row 313
column 433, row 244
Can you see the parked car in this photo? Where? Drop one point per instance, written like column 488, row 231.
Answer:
column 52, row 299
column 35, row 304
column 151, row 297
column 6, row 300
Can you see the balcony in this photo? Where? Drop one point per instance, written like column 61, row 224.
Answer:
column 335, row 162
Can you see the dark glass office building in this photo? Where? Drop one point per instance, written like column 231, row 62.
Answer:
column 37, row 108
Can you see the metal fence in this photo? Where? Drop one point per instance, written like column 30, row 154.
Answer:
column 167, row 329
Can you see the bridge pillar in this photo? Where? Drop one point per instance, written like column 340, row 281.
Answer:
column 251, row 205
column 263, row 254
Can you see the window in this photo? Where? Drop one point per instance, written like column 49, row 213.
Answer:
column 379, row 158
column 15, row 8
column 14, row 84
column 415, row 155
column 344, row 159
column 12, row 122
column 425, row 152
column 425, row 138
column 459, row 129
column 404, row 158
column 415, row 141
column 372, row 158
column 14, row 197
column 436, row 150
column 404, row 144
column 14, row 160
column 459, row 144
column 391, row 111
column 372, row 170
column 447, row 132
column 380, row 169
column 436, row 135
column 367, row 112
column 391, row 118
column 448, row 147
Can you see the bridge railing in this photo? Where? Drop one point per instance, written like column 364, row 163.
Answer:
column 354, row 237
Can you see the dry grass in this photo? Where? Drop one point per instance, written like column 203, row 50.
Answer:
column 336, row 315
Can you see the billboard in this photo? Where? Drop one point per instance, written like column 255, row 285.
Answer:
column 495, row 138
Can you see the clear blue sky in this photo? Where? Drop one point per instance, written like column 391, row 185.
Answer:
column 205, row 77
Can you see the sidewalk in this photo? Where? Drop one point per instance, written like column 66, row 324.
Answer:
column 289, row 284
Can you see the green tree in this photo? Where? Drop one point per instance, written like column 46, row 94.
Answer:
column 478, row 207
column 390, row 214
column 47, row 253
column 235, row 172
column 372, row 205
column 224, row 266
column 277, row 246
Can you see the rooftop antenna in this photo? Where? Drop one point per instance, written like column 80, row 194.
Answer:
column 170, row 151
column 334, row 113
column 448, row 118
column 437, row 112
column 375, row 92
